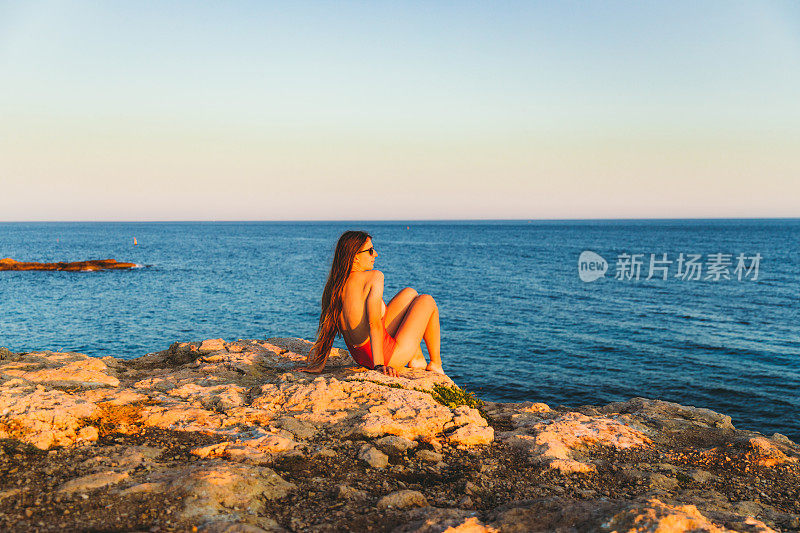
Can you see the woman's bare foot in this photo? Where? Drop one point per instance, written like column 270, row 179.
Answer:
column 418, row 361
column 435, row 368
column 417, row 364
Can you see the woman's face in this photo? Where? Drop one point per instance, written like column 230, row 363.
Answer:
column 365, row 260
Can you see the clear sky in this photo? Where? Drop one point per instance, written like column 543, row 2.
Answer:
column 398, row 110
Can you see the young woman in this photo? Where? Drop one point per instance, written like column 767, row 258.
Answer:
column 379, row 336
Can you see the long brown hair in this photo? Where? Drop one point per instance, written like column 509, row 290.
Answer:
column 328, row 329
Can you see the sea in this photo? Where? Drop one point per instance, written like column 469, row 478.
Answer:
column 699, row 312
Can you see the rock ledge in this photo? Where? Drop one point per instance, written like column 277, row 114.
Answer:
column 78, row 266
column 227, row 436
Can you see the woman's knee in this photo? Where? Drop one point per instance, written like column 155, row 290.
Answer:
column 408, row 291
column 402, row 300
column 426, row 299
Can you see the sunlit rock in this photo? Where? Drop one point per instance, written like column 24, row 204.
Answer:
column 93, row 481
column 402, row 499
column 558, row 441
column 199, row 422
column 217, row 487
column 77, row 266
column 658, row 516
column 45, row 418
column 62, row 370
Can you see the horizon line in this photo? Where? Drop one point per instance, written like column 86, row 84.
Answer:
column 588, row 219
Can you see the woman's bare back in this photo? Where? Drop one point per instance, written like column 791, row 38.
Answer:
column 354, row 323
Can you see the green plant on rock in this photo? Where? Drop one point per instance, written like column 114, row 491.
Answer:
column 454, row 396
column 449, row 396
column 5, row 353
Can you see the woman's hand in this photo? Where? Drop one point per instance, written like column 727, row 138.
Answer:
column 388, row 370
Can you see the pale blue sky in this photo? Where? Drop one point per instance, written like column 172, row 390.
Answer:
column 403, row 110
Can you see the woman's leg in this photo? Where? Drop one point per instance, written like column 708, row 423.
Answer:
column 421, row 322
column 396, row 311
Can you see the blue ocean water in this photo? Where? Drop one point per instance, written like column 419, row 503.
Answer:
column 518, row 323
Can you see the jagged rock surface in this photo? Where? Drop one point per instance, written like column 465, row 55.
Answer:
column 227, row 436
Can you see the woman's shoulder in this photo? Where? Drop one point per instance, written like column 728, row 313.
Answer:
column 363, row 282
column 369, row 276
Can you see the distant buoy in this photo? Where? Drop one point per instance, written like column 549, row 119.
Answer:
column 134, row 242
column 408, row 227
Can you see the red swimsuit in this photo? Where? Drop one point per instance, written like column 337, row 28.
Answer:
column 363, row 354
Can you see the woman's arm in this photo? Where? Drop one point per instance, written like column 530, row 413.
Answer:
column 374, row 300
column 376, row 329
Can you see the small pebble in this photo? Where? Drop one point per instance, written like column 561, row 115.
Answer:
column 429, row 456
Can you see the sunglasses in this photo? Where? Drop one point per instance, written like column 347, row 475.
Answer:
column 371, row 251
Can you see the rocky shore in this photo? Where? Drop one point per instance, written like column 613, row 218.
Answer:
column 227, row 437
column 77, row 266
